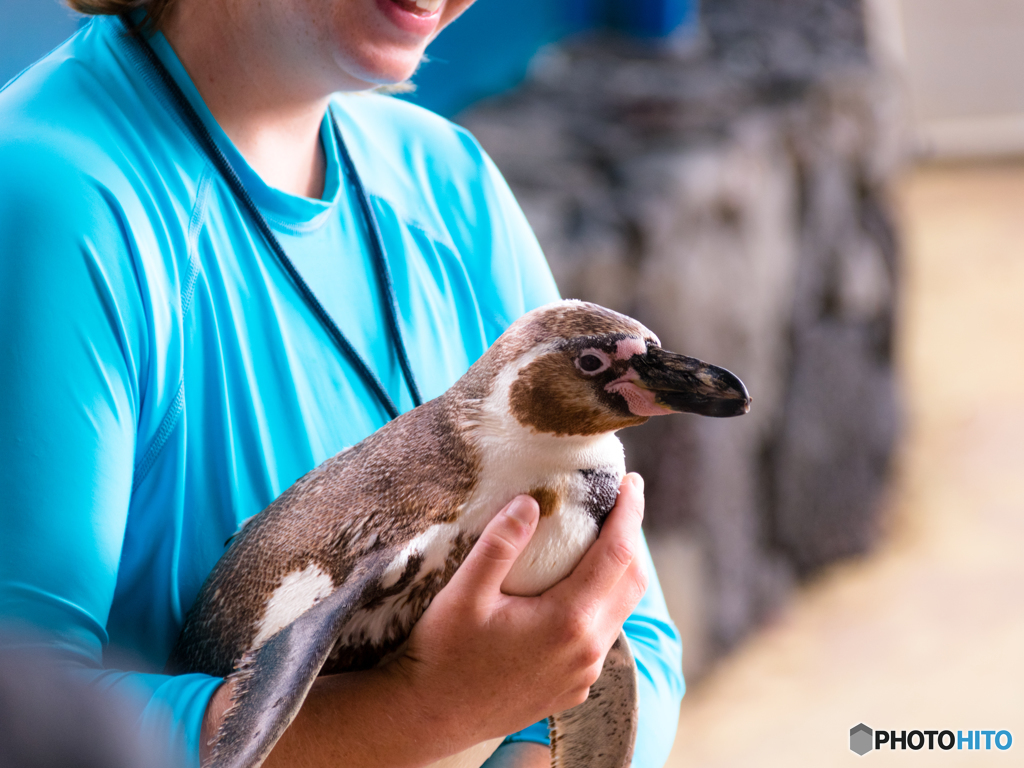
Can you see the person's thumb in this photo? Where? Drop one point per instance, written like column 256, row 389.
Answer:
column 499, row 545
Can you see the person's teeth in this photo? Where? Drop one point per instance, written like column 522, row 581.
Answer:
column 429, row 5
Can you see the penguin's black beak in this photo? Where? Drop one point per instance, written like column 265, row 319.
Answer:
column 688, row 385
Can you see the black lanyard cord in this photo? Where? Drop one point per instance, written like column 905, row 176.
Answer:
column 380, row 264
column 383, row 274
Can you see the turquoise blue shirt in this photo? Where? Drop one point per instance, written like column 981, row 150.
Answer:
column 161, row 379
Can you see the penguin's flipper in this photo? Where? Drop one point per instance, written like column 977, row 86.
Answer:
column 600, row 732
column 271, row 682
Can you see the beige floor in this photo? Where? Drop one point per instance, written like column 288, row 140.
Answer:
column 927, row 633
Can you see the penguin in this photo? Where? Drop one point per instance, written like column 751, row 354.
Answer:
column 332, row 575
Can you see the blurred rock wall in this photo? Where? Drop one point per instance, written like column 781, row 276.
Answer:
column 733, row 198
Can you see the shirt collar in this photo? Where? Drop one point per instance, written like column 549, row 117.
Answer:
column 280, row 208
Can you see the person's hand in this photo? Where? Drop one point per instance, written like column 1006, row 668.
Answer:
column 485, row 664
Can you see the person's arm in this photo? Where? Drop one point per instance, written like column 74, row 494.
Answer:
column 73, row 337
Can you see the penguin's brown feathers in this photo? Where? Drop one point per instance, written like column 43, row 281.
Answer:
column 385, row 490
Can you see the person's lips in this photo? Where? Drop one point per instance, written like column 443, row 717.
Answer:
column 419, row 17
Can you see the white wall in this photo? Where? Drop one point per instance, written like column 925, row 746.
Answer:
column 963, row 65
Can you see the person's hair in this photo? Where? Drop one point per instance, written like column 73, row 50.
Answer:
column 155, row 9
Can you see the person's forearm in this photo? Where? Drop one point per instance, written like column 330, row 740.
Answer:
column 364, row 718
column 357, row 718
column 329, row 732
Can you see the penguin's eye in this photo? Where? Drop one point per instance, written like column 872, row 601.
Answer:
column 593, row 361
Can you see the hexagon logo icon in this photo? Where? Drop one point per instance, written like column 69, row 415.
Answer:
column 861, row 739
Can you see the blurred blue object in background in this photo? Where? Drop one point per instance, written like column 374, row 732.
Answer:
column 485, row 52
column 488, row 50
column 655, row 18
column 29, row 29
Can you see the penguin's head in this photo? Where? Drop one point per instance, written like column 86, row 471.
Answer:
column 574, row 368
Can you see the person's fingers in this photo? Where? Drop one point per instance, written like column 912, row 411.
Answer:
column 627, row 593
column 611, row 556
column 499, row 545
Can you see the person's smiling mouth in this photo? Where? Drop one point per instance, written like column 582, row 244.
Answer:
column 420, row 7
column 420, row 18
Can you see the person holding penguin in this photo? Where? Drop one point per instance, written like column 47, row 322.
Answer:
column 198, row 310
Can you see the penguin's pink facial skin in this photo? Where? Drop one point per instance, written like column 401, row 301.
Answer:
column 629, row 346
column 641, row 401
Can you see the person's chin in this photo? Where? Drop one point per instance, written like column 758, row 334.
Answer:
column 383, row 68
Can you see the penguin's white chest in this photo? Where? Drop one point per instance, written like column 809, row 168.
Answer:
column 575, row 481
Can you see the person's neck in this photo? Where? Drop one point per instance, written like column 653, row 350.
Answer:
column 272, row 120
